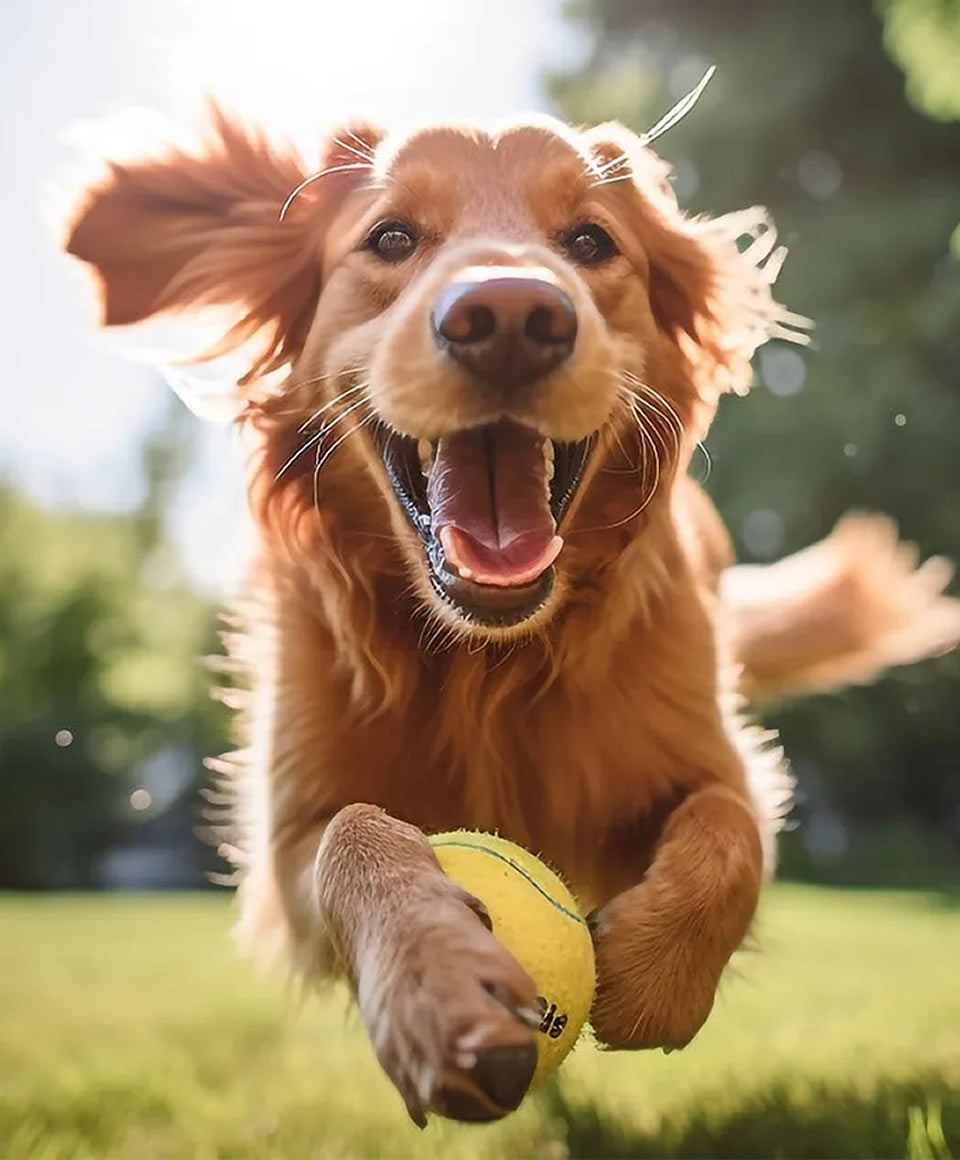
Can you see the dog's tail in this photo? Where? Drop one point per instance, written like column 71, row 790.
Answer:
column 839, row 612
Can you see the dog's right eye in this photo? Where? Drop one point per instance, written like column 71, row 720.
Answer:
column 392, row 241
column 589, row 244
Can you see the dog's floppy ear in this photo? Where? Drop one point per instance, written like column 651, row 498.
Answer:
column 711, row 280
column 211, row 228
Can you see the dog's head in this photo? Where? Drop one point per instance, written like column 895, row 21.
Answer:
column 502, row 339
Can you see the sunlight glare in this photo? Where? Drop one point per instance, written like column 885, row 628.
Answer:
column 301, row 66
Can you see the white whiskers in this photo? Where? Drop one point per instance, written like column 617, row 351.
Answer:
column 326, row 428
column 661, row 433
column 365, row 156
column 673, row 117
column 316, row 177
column 322, row 459
column 679, row 110
column 326, row 406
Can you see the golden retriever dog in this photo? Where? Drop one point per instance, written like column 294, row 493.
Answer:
column 487, row 592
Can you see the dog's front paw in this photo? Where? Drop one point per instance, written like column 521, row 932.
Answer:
column 655, row 984
column 449, row 1010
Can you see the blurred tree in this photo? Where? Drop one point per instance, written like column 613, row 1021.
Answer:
column 99, row 672
column 808, row 115
column 923, row 36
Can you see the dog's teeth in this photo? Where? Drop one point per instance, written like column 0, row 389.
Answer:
column 549, row 465
column 465, row 573
column 425, row 451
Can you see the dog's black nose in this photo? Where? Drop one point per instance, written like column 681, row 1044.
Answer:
column 506, row 325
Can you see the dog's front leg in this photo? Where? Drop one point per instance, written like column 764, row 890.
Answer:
column 662, row 945
column 448, row 1009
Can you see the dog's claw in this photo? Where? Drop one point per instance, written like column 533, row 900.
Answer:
column 478, row 908
column 526, row 1016
column 502, row 995
column 494, row 1085
column 529, row 1016
column 596, row 924
column 418, row 1116
column 504, row 1073
column 415, row 1111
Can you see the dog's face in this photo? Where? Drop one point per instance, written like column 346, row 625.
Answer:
column 500, row 317
column 491, row 305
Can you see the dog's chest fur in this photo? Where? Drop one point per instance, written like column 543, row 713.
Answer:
column 580, row 770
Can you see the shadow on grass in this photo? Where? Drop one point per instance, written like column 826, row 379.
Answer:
column 919, row 1120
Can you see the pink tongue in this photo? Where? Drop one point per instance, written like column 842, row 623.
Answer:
column 488, row 505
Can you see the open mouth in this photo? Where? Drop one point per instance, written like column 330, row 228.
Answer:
column 487, row 503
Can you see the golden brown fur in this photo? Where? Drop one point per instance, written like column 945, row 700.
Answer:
column 603, row 732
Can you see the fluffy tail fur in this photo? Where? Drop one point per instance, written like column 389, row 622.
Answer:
column 839, row 612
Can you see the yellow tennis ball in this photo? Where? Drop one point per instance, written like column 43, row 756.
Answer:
column 538, row 920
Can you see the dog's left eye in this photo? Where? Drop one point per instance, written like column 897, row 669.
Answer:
column 589, row 244
column 392, row 241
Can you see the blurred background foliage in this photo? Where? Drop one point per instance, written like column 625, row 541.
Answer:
column 840, row 118
column 104, row 705
column 922, row 36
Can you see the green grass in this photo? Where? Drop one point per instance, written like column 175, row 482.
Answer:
column 129, row 1029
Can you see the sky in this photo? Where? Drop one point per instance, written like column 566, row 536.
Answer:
column 73, row 409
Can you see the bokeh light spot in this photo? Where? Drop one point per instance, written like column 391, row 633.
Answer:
column 783, row 371
column 140, row 799
column 819, row 174
column 763, row 532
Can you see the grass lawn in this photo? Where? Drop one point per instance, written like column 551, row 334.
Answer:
column 129, row 1029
